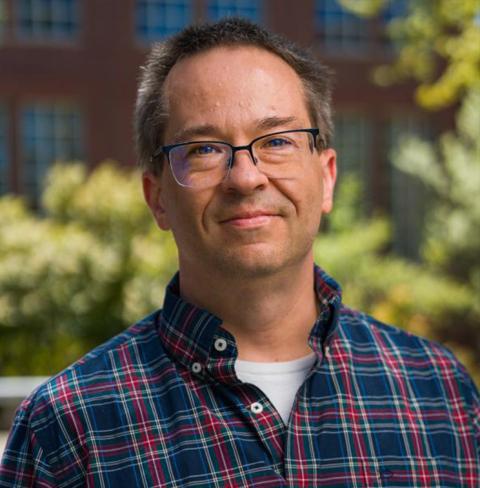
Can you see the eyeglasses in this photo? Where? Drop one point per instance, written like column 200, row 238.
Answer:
column 202, row 164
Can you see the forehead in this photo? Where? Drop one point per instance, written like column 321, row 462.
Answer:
column 232, row 87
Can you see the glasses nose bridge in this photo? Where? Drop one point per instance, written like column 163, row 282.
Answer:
column 235, row 149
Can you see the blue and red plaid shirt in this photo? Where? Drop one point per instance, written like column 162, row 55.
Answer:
column 160, row 405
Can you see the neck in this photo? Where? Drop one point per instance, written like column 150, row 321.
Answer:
column 269, row 316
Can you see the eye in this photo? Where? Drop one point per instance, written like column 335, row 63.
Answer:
column 205, row 149
column 277, row 142
column 202, row 149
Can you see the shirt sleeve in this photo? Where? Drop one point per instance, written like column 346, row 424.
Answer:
column 24, row 462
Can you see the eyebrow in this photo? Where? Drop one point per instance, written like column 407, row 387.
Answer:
column 268, row 123
column 186, row 134
column 207, row 130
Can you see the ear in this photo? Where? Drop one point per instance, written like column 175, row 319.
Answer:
column 328, row 160
column 152, row 191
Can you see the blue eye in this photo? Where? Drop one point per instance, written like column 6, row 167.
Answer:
column 277, row 142
column 206, row 149
column 200, row 149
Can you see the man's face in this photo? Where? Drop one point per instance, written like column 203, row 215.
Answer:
column 248, row 224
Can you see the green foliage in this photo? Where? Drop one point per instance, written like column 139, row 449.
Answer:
column 438, row 47
column 365, row 8
column 451, row 169
column 81, row 272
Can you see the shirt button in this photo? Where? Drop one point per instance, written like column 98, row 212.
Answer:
column 196, row 367
column 220, row 344
column 256, row 407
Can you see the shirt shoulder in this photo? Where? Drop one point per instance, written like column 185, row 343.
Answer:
column 64, row 410
column 138, row 347
column 55, row 424
column 405, row 355
column 359, row 329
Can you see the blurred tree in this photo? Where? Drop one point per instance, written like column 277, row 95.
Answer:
column 79, row 273
column 438, row 46
column 451, row 169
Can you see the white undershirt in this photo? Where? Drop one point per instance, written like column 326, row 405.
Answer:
column 279, row 381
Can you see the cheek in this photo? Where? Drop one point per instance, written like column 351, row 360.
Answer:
column 187, row 212
column 311, row 206
column 305, row 195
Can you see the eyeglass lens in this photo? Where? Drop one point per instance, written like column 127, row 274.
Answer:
column 203, row 164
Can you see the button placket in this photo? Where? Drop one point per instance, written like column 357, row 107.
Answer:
column 220, row 344
column 196, row 368
column 260, row 414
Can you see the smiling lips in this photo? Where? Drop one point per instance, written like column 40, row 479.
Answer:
column 250, row 219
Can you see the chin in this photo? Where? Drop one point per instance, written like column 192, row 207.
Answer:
column 254, row 262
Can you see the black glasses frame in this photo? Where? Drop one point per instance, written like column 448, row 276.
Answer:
column 167, row 149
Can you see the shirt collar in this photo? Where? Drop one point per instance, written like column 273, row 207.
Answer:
column 189, row 332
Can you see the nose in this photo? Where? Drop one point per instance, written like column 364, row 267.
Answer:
column 244, row 175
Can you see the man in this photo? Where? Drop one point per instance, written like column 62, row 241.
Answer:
column 253, row 373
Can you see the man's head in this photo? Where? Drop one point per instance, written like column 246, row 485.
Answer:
column 258, row 218
column 151, row 114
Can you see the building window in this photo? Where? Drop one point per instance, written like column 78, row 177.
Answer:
column 156, row 19
column 407, row 194
column 4, row 169
column 50, row 132
column 47, row 20
column 249, row 9
column 353, row 143
column 339, row 29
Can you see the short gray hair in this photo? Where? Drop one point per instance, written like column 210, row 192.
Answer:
column 150, row 114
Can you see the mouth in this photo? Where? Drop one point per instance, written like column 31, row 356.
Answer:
column 250, row 219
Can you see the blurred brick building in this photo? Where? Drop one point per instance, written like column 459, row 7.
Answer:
column 69, row 68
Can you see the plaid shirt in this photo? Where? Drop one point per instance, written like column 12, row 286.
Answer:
column 160, row 405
